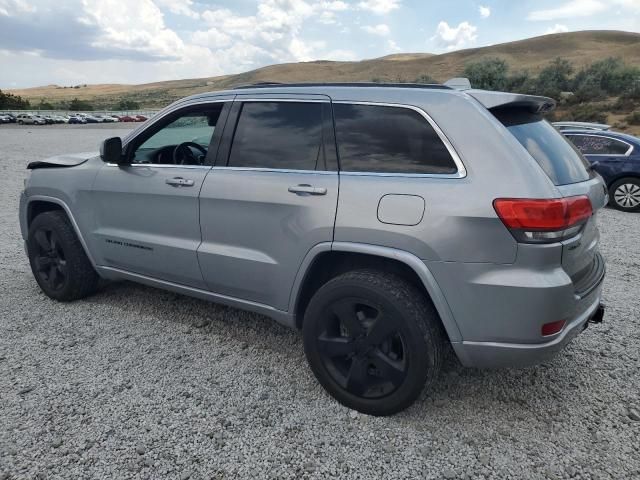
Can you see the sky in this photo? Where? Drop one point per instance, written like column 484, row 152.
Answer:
column 71, row 42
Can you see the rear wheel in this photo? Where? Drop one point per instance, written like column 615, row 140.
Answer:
column 373, row 341
column 625, row 194
column 57, row 258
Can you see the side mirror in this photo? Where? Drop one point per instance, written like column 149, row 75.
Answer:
column 111, row 150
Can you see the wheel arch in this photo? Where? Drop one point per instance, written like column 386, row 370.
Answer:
column 623, row 175
column 38, row 204
column 327, row 260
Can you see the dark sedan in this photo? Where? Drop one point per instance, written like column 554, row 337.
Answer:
column 615, row 156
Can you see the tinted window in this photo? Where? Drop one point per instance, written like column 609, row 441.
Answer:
column 388, row 140
column 556, row 155
column 284, row 135
column 597, row 145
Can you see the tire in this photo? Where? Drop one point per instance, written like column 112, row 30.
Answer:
column 58, row 260
column 373, row 341
column 20, row 122
column 624, row 194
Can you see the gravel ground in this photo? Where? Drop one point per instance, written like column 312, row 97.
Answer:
column 140, row 383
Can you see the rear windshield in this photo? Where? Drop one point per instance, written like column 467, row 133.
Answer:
column 556, row 155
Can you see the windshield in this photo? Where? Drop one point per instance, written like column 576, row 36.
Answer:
column 556, row 155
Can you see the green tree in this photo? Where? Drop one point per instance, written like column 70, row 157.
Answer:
column 489, row 74
column 77, row 105
column 43, row 105
column 611, row 75
column 13, row 102
column 555, row 78
column 128, row 105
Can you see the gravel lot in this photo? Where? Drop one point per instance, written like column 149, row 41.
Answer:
column 141, row 383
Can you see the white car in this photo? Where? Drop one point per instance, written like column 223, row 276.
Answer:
column 28, row 119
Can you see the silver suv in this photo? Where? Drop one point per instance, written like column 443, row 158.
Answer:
column 385, row 222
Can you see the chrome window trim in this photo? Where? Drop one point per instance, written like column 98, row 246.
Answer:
column 626, row 154
column 276, row 170
column 290, row 100
column 161, row 165
column 462, row 171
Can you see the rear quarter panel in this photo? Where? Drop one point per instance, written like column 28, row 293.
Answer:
column 459, row 223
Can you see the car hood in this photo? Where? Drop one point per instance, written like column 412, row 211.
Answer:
column 62, row 161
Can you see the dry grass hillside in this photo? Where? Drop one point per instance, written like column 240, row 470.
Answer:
column 533, row 54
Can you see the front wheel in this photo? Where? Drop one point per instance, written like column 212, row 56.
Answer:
column 57, row 258
column 373, row 341
column 625, row 195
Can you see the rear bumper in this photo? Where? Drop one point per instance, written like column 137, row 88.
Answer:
column 497, row 354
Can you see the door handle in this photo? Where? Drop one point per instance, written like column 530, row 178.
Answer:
column 306, row 189
column 179, row 182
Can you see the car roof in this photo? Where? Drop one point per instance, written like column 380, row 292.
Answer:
column 604, row 133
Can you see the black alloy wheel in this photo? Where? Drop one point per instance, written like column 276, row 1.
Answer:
column 49, row 259
column 373, row 340
column 362, row 348
column 58, row 259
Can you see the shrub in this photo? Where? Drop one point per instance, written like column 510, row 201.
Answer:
column 634, row 118
column 585, row 112
column 77, row 105
column 489, row 74
column 555, row 78
column 424, row 78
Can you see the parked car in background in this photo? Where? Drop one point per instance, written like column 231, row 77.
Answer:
column 126, row 118
column 141, row 118
column 106, row 118
column 581, row 125
column 429, row 233
column 92, row 119
column 76, row 119
column 47, row 119
column 29, row 119
column 5, row 118
column 615, row 156
column 10, row 116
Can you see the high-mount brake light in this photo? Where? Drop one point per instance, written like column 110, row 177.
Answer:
column 543, row 220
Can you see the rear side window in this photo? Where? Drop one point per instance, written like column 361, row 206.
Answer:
column 598, row 145
column 560, row 160
column 383, row 139
column 281, row 135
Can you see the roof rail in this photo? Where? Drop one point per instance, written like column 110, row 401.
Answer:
column 436, row 86
column 459, row 83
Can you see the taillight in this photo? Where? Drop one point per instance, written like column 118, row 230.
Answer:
column 543, row 220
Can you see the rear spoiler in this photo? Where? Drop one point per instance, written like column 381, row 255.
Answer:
column 495, row 100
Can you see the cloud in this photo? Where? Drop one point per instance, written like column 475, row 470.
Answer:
column 11, row 7
column 453, row 38
column 90, row 29
column 572, row 9
column 382, row 30
column 178, row 7
column 557, row 28
column 393, row 46
column 485, row 12
column 379, row 7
